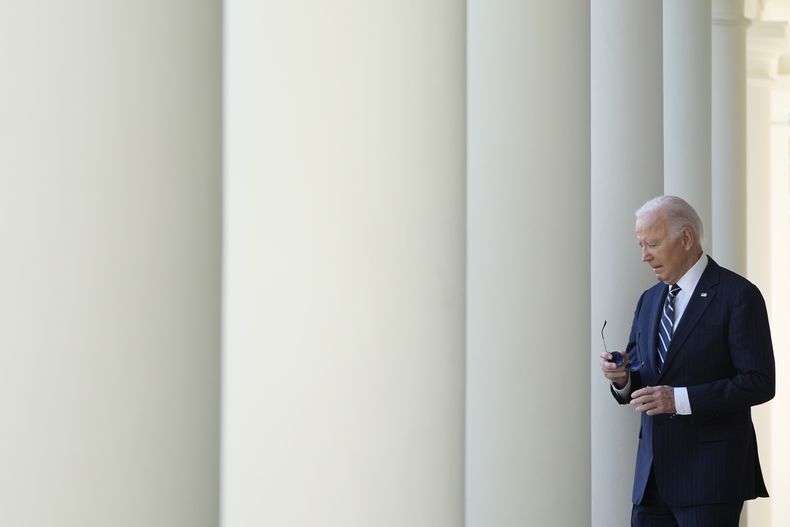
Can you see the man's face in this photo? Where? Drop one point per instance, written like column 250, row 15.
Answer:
column 668, row 257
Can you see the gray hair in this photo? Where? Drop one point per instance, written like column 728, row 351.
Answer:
column 678, row 214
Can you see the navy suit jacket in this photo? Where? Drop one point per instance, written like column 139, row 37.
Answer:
column 721, row 352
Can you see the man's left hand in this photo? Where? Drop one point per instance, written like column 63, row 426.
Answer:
column 654, row 400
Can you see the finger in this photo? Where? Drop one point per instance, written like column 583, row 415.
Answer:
column 609, row 360
column 645, row 398
column 643, row 391
column 659, row 409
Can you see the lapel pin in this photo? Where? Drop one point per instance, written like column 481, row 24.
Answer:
column 703, row 295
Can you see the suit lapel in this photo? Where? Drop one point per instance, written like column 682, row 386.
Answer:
column 700, row 300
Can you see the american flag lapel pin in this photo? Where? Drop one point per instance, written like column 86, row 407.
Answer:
column 703, row 295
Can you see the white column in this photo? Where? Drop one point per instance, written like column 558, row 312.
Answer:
column 344, row 275
column 110, row 153
column 528, row 282
column 758, row 262
column 779, row 307
column 687, row 104
column 765, row 42
column 627, row 170
column 728, row 134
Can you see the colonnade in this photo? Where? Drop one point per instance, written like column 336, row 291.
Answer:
column 419, row 216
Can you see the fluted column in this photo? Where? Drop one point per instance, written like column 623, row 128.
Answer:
column 528, row 243
column 627, row 170
column 110, row 182
column 687, row 104
column 344, row 264
column 728, row 134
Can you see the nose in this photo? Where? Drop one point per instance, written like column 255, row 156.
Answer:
column 645, row 254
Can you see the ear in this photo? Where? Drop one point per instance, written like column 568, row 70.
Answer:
column 687, row 238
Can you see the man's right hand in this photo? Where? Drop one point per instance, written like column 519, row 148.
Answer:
column 618, row 375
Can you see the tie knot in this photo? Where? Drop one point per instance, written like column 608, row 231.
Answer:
column 674, row 289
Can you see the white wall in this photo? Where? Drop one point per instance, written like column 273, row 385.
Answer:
column 109, row 243
column 344, row 264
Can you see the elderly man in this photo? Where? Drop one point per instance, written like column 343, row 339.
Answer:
column 698, row 358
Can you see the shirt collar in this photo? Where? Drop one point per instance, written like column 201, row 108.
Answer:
column 688, row 282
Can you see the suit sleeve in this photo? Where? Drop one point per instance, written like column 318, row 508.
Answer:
column 751, row 353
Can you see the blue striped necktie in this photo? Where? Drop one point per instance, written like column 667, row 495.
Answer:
column 667, row 326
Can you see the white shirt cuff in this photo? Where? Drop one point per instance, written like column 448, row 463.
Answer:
column 625, row 390
column 682, row 404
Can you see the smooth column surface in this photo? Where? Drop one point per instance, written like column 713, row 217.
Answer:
column 110, row 226
column 780, row 312
column 528, row 449
column 687, row 104
column 344, row 264
column 759, row 259
column 728, row 134
column 627, row 163
column 780, row 303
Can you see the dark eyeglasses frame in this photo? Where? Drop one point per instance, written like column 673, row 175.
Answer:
column 618, row 358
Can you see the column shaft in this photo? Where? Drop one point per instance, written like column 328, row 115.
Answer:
column 780, row 301
column 344, row 276
column 687, row 104
column 728, row 134
column 627, row 170
column 528, row 282
column 758, row 259
column 110, row 220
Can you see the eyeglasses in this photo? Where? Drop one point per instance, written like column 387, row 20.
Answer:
column 618, row 358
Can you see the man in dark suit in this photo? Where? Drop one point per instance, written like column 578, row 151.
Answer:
column 698, row 358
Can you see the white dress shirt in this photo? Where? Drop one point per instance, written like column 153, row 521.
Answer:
column 688, row 282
